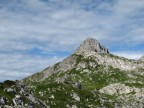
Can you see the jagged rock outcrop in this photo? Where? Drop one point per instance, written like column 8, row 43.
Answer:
column 14, row 94
column 91, row 45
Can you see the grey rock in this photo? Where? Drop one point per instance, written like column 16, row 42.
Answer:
column 10, row 90
column 31, row 105
column 77, row 85
column 18, row 100
column 3, row 100
column 116, row 88
column 75, row 96
column 91, row 45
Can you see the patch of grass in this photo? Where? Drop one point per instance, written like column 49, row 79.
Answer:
column 138, row 85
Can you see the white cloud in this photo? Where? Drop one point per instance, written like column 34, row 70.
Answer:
column 129, row 54
column 18, row 66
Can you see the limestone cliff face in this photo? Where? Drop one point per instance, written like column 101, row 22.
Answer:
column 91, row 45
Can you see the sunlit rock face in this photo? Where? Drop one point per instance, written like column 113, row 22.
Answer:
column 91, row 45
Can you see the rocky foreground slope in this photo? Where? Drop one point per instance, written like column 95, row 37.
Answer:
column 90, row 78
column 14, row 94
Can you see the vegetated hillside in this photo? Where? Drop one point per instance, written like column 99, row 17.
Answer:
column 90, row 78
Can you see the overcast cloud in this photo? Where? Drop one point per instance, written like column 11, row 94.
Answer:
column 37, row 33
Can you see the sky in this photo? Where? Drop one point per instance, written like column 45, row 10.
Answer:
column 35, row 34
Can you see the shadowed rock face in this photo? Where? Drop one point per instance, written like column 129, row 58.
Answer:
column 91, row 45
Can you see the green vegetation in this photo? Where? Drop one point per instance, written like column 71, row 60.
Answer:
column 89, row 81
column 6, row 94
column 59, row 95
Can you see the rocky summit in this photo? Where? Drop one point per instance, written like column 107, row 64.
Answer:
column 91, row 45
column 89, row 78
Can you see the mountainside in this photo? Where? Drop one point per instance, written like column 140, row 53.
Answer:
column 90, row 78
column 90, row 50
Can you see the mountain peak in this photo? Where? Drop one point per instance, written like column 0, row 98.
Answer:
column 91, row 45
